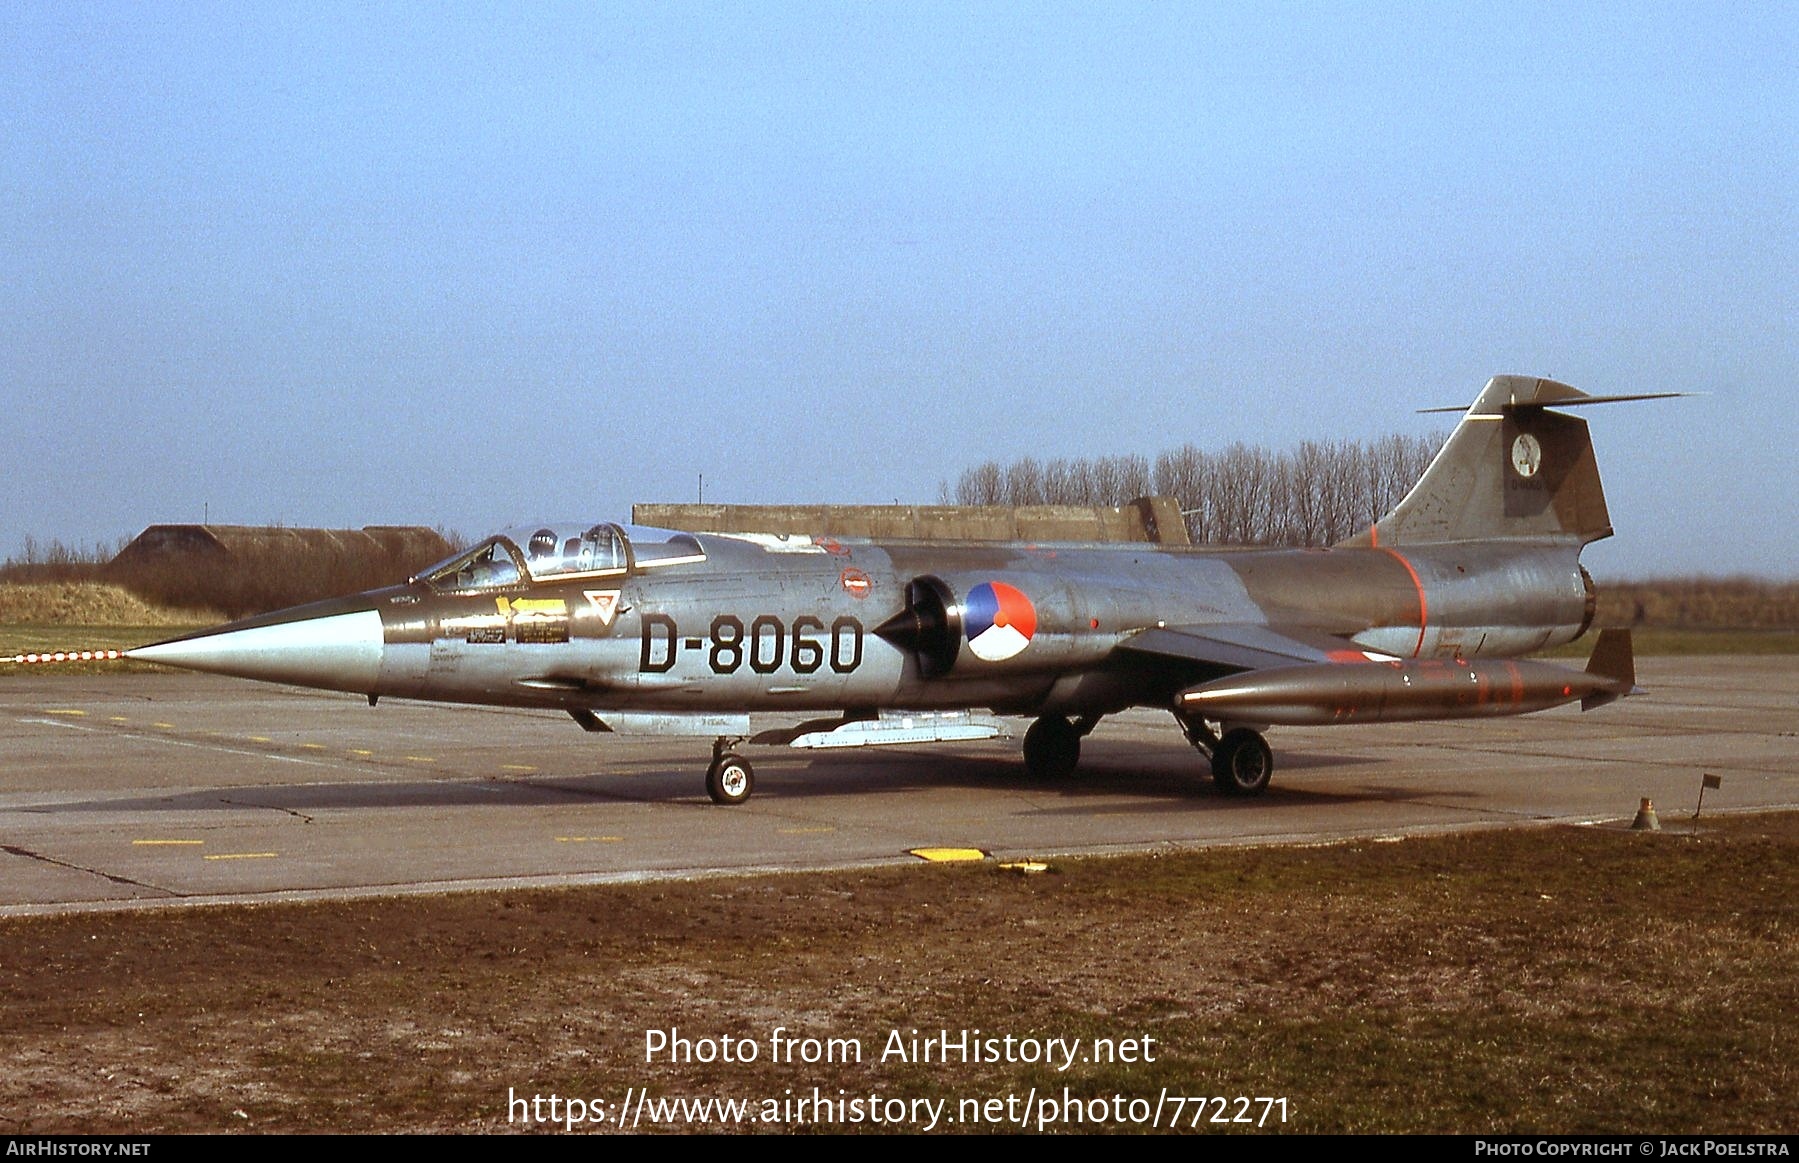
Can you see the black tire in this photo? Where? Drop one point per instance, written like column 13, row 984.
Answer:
column 1052, row 748
column 730, row 780
column 1242, row 764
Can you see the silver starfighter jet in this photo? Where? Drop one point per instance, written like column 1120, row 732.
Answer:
column 1422, row 616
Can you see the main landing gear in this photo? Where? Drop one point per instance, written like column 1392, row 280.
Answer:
column 730, row 779
column 1241, row 760
column 1052, row 747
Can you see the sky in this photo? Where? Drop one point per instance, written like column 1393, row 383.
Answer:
column 478, row 266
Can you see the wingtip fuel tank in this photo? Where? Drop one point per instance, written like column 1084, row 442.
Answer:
column 1405, row 689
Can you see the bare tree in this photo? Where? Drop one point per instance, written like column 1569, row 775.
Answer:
column 984, row 484
column 1024, row 483
column 1318, row 493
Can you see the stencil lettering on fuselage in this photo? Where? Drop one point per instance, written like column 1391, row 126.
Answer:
column 523, row 620
column 765, row 644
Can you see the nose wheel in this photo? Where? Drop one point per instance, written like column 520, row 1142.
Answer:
column 730, row 779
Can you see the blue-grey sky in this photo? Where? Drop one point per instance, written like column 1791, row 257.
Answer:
column 474, row 266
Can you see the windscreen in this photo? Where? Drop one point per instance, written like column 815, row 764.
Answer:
column 490, row 565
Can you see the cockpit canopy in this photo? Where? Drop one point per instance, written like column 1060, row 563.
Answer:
column 563, row 552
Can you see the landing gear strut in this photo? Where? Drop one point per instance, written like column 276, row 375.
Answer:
column 1241, row 760
column 730, row 779
column 1052, row 747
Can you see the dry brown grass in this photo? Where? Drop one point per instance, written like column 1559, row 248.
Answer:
column 1700, row 603
column 1524, row 981
column 72, row 603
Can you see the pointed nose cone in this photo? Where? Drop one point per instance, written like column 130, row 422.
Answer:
column 335, row 651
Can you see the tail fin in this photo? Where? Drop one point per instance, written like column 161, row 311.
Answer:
column 1511, row 468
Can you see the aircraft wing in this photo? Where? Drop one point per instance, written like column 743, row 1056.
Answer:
column 1231, row 647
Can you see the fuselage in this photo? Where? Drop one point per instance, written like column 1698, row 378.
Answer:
column 695, row 623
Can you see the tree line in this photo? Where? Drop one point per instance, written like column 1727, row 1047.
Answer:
column 1316, row 493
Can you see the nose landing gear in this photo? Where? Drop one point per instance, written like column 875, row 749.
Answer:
column 730, row 779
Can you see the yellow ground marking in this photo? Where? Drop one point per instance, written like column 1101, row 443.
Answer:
column 164, row 726
column 65, row 711
column 313, row 746
column 806, row 831
column 154, row 843
column 118, row 719
column 260, row 739
column 946, row 855
column 242, row 856
column 1026, row 866
column 421, row 759
column 360, row 751
column 585, row 839
column 516, row 767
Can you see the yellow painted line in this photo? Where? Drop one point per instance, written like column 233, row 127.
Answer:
column 154, row 843
column 517, row 767
column 360, row 751
column 313, row 746
column 947, row 855
column 242, row 856
column 260, row 739
column 164, row 726
column 585, row 839
column 806, row 831
column 64, row 711
column 421, row 759
column 118, row 719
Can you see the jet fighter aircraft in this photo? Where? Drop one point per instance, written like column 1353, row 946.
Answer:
column 1422, row 616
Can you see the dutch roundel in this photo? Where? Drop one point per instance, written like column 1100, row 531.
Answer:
column 1000, row 621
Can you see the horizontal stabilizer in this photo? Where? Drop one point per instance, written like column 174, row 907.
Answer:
column 1575, row 402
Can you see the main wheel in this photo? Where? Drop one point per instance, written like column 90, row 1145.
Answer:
column 729, row 780
column 1242, row 763
column 1052, row 748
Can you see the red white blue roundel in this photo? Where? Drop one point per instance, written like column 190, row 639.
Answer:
column 1000, row 621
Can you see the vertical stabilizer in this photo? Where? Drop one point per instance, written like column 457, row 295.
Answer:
column 1511, row 469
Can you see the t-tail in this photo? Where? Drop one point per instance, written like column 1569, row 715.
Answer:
column 1512, row 470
